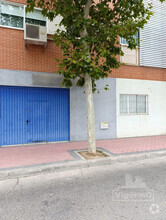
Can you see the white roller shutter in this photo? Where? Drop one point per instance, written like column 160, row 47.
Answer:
column 153, row 38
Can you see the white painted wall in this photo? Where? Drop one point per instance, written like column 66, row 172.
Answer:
column 154, row 123
column 52, row 26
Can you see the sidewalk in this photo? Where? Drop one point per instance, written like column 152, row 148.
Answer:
column 58, row 153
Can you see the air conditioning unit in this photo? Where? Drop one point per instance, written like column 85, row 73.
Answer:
column 35, row 34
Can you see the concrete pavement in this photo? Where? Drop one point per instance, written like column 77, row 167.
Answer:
column 120, row 191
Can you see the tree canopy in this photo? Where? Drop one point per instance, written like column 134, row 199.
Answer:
column 107, row 21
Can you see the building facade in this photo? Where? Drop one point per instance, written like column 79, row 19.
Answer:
column 35, row 108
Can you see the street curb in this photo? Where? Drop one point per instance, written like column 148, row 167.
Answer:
column 13, row 173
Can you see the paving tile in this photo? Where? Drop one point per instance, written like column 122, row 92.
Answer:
column 57, row 152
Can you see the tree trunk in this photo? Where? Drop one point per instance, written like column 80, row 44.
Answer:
column 89, row 93
column 90, row 115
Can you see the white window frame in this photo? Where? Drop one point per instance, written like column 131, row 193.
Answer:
column 39, row 9
column 16, row 4
column 128, row 112
column 126, row 44
column 24, row 15
column 123, row 43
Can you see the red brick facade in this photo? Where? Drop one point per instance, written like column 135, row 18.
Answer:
column 14, row 56
column 140, row 72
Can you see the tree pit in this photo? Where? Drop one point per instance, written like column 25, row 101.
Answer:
column 90, row 156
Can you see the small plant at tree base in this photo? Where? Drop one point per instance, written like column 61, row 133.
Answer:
column 100, row 151
column 90, row 41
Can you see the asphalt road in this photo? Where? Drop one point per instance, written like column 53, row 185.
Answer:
column 133, row 190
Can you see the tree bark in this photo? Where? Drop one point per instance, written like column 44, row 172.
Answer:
column 89, row 94
column 90, row 115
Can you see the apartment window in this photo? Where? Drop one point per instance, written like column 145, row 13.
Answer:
column 35, row 17
column 124, row 41
column 133, row 104
column 13, row 15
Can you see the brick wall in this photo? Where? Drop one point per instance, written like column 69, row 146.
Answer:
column 140, row 72
column 18, row 1
column 14, row 55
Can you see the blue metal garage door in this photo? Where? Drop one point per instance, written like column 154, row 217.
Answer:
column 29, row 115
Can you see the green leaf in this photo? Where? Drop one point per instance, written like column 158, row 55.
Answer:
column 95, row 52
column 80, row 82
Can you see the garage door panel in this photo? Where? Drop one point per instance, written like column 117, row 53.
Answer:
column 36, row 122
column 12, row 117
column 45, row 110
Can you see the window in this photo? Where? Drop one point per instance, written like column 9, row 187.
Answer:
column 133, row 104
column 35, row 17
column 13, row 15
column 124, row 41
